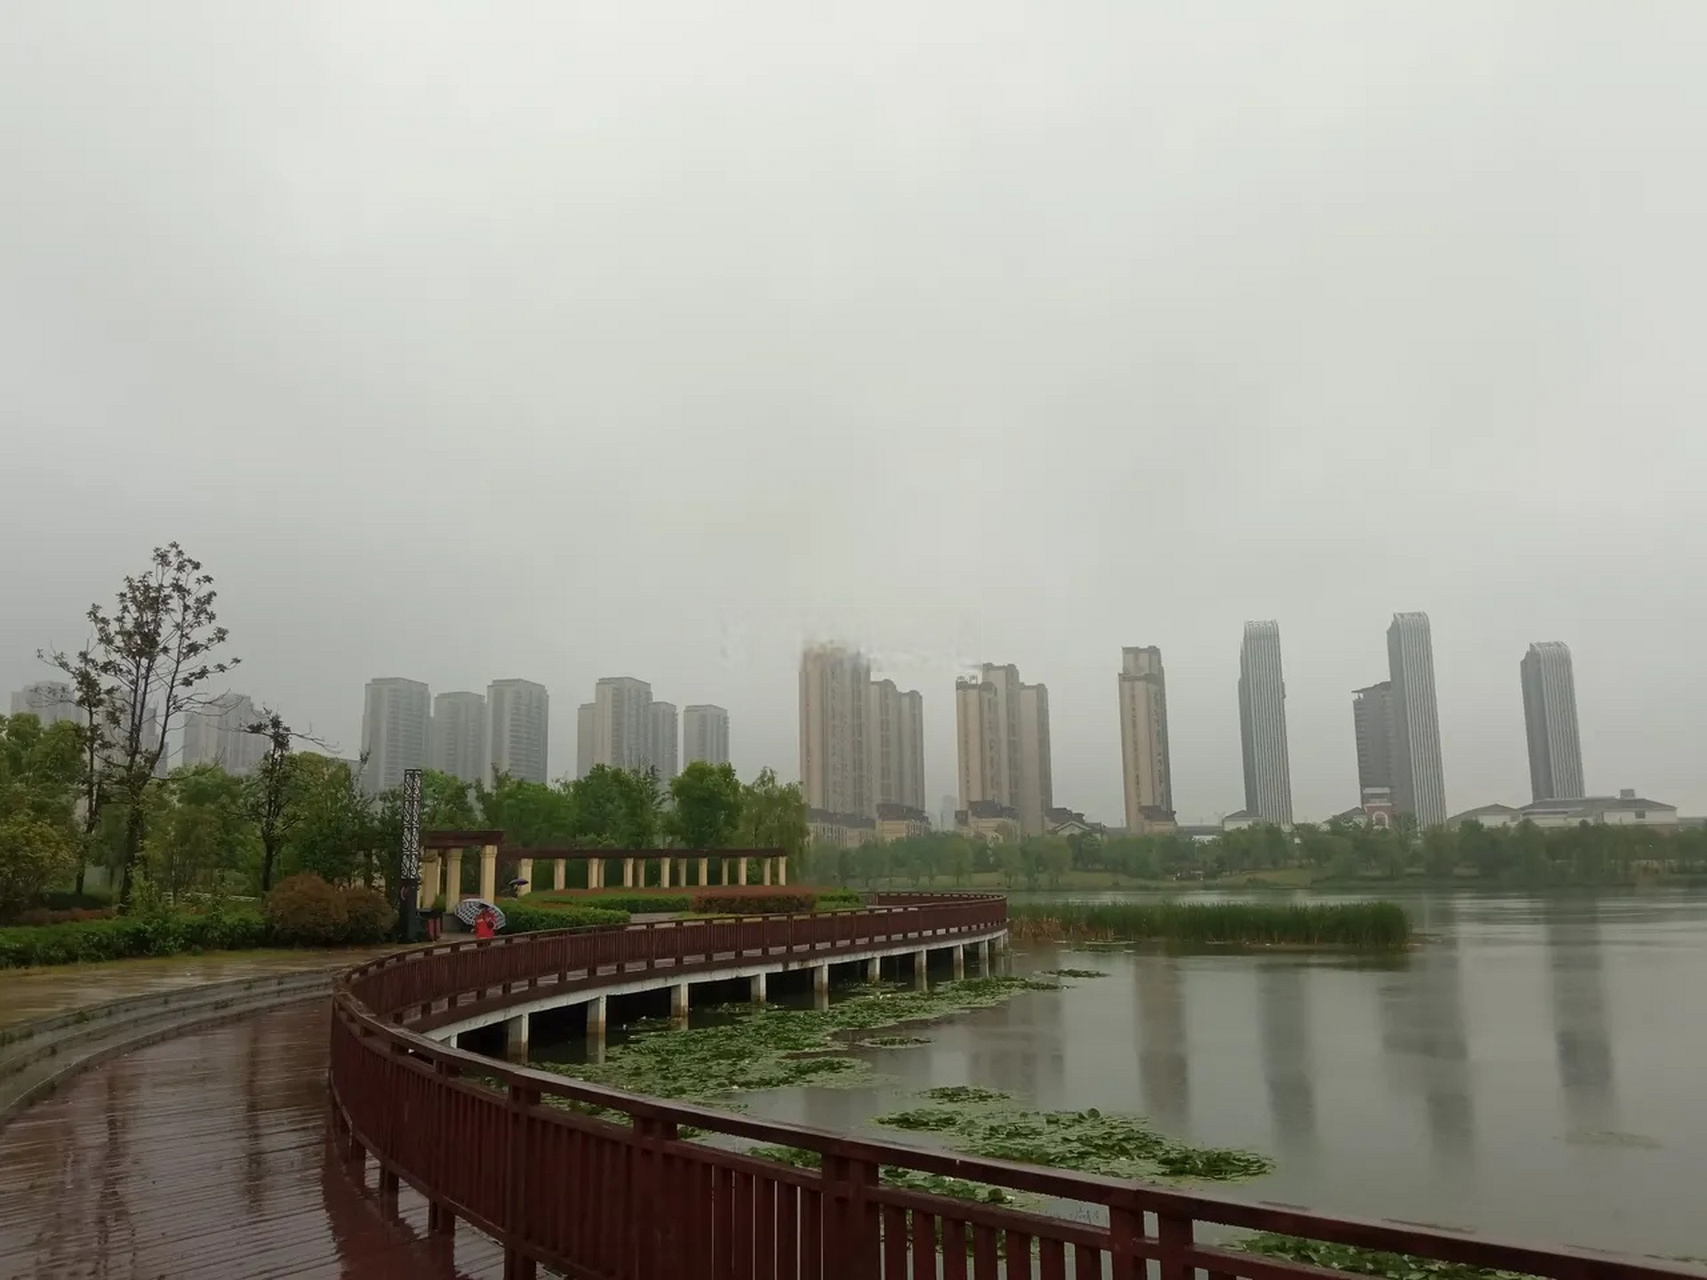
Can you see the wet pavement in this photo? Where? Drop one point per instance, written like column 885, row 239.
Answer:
column 40, row 993
column 207, row 1155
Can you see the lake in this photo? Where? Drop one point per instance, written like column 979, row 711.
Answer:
column 1532, row 1069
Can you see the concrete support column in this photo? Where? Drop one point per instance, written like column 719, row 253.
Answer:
column 628, row 873
column 524, row 871
column 516, row 1038
column 682, row 872
column 782, row 870
column 959, row 954
column 596, row 1016
column 983, row 950
column 765, row 865
column 758, row 984
column 921, row 979
column 821, row 986
column 664, row 872
column 679, row 1003
column 595, row 873
column 489, row 872
column 453, row 879
column 874, row 970
column 740, row 871
column 704, row 872
column 428, row 893
column 560, row 873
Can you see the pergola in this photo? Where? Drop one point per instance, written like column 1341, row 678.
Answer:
column 441, row 865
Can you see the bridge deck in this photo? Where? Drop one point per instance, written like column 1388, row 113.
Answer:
column 207, row 1156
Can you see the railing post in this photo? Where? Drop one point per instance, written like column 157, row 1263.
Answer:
column 517, row 1265
column 1174, row 1240
column 851, row 1230
column 653, row 1216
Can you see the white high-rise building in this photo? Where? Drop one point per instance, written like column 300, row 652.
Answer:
column 1262, row 725
column 218, row 734
column 1036, row 760
column 518, row 729
column 620, row 724
column 1145, row 764
column 896, row 742
column 835, row 716
column 1419, row 780
column 1550, row 719
column 457, row 739
column 663, row 740
column 705, row 734
column 395, row 716
column 50, row 701
column 1002, row 735
column 586, row 738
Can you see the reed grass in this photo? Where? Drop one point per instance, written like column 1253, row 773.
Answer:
column 1369, row 926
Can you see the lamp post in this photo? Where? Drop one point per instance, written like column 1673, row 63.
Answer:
column 409, row 905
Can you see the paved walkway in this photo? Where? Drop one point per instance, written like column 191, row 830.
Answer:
column 206, row 1156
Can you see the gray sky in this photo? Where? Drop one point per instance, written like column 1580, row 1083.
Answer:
column 557, row 341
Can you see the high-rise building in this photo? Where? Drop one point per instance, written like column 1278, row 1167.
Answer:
column 663, row 740
column 946, row 812
column 705, row 734
column 218, row 734
column 1262, row 725
column 620, row 726
column 395, row 715
column 518, row 730
column 1372, row 721
column 977, row 736
column 586, row 738
column 896, row 740
column 1419, row 781
column 50, row 701
column 1550, row 718
column 835, row 764
column 456, row 740
column 1036, row 765
column 1146, row 770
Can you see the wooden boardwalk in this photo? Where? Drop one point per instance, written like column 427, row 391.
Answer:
column 207, row 1156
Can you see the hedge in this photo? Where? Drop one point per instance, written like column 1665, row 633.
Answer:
column 714, row 903
column 520, row 919
column 126, row 936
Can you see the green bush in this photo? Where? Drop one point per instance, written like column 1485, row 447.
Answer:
column 634, row 903
column 839, row 899
column 73, row 915
column 523, row 919
column 305, row 911
column 715, row 903
column 126, row 936
column 369, row 916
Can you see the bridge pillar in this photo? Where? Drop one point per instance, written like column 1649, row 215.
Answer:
column 920, row 979
column 489, row 872
column 874, row 970
column 453, row 878
column 758, row 984
column 740, row 871
column 524, row 871
column 628, row 873
column 983, row 952
column 782, row 870
column 516, row 1038
column 596, row 1016
column 559, row 873
column 704, row 872
column 959, row 953
column 429, row 891
column 765, row 868
column 679, row 1004
column 664, row 872
column 821, row 986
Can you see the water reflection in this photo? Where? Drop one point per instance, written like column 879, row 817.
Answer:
column 1581, row 1041
column 1283, row 998
column 1163, row 1074
column 1426, row 1045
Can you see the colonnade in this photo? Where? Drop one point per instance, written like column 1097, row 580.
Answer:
column 441, row 872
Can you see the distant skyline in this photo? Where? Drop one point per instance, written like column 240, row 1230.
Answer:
column 532, row 343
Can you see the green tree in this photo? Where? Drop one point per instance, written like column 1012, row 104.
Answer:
column 709, row 803
column 773, row 816
column 33, row 854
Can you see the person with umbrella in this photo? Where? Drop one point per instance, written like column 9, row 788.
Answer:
column 486, row 924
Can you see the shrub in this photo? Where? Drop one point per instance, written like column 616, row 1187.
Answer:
column 74, row 915
column 303, row 910
column 124, row 936
column 714, row 903
column 368, row 916
column 525, row 919
column 634, row 903
column 32, row 854
column 839, row 899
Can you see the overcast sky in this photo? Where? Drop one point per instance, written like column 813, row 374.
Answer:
column 565, row 340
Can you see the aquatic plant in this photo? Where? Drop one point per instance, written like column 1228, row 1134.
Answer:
column 1366, row 1262
column 1363, row 925
column 1075, row 973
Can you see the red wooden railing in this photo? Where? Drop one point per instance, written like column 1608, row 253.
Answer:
column 589, row 1197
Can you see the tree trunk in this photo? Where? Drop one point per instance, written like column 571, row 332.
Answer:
column 132, row 849
column 269, row 853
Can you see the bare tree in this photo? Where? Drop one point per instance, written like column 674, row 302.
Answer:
column 154, row 650
column 272, row 787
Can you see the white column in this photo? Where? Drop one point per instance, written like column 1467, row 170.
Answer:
column 524, row 871
column 920, row 979
column 758, row 985
column 560, row 873
column 874, row 970
column 959, row 953
column 782, row 870
column 516, row 1038
column 679, row 1003
column 453, row 879
column 489, row 872
column 664, row 872
column 628, row 873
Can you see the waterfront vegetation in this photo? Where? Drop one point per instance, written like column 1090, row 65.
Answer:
column 1334, row 853
column 1363, row 925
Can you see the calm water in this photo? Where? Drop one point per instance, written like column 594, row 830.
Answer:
column 1534, row 1070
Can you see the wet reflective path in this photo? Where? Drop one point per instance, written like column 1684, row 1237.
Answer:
column 207, row 1156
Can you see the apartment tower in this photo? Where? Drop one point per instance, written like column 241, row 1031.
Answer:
column 1372, row 721
column 395, row 716
column 896, row 723
column 621, row 728
column 1550, row 719
column 49, row 701
column 705, row 734
column 1036, row 767
column 663, row 740
column 1262, row 725
column 586, row 738
column 218, row 734
column 1147, row 775
column 456, row 740
column 518, row 729
column 835, row 754
column 1419, row 782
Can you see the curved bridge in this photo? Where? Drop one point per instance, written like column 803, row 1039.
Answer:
column 513, row 1152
